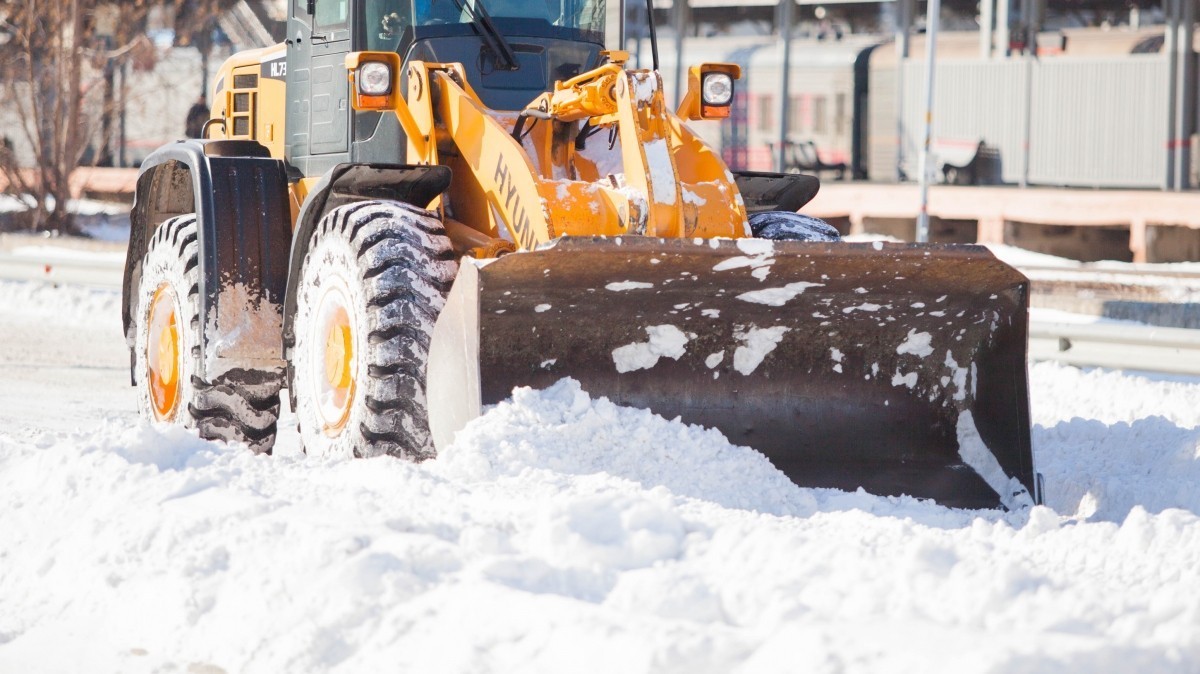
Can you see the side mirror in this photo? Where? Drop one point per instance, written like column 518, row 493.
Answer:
column 311, row 7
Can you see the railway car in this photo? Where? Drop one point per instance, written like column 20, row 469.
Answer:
column 849, row 104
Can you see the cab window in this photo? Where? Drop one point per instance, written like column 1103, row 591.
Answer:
column 332, row 14
column 386, row 21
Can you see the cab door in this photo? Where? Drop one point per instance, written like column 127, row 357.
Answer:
column 318, row 117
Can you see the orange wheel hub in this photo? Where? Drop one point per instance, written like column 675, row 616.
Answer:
column 163, row 354
column 335, row 390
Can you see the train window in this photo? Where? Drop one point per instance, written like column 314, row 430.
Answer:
column 798, row 120
column 766, row 114
column 818, row 114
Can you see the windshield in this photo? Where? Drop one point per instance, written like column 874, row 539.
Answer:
column 388, row 20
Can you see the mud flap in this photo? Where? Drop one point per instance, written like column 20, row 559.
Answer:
column 898, row 368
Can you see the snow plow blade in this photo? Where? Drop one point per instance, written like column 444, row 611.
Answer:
column 898, row 368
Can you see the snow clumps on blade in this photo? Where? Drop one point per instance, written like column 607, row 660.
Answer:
column 665, row 340
column 777, row 297
column 757, row 257
column 619, row 286
column 975, row 453
column 917, row 344
column 751, row 246
column 756, row 344
column 563, row 430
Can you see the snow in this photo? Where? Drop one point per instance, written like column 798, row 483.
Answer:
column 758, row 257
column 564, row 533
column 1021, row 257
column 865, row 306
column 917, row 343
column 756, row 246
column 661, row 170
column 958, row 377
column 665, row 340
column 777, row 297
column 976, row 454
column 756, row 344
column 619, row 286
column 86, row 207
column 642, row 86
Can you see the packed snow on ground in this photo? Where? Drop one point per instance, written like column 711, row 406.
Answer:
column 562, row 533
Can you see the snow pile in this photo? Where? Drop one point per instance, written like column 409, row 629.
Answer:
column 561, row 432
column 1138, row 447
column 72, row 305
column 563, row 533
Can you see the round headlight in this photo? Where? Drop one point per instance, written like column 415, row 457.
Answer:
column 374, row 79
column 717, row 89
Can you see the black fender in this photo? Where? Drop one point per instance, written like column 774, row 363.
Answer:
column 240, row 197
column 348, row 183
column 762, row 191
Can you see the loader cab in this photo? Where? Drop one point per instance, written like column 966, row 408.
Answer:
column 549, row 39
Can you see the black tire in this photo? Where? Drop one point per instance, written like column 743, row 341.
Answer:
column 237, row 406
column 388, row 266
column 788, row 226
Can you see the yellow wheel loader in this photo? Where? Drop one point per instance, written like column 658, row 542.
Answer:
column 412, row 206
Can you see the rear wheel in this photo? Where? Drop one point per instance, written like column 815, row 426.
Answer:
column 373, row 283
column 237, row 406
column 788, row 226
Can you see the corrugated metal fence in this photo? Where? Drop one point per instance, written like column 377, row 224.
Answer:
column 1084, row 122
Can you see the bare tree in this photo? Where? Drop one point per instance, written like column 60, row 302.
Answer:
column 43, row 76
column 55, row 71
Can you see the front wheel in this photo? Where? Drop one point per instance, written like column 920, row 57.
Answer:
column 236, row 406
column 373, row 283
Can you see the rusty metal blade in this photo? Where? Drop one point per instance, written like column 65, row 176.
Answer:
column 898, row 368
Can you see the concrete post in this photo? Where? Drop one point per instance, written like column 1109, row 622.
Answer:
column 1185, row 86
column 932, row 14
column 904, row 14
column 1031, row 14
column 785, row 93
column 1171, row 53
column 680, row 8
column 987, row 18
column 1003, row 39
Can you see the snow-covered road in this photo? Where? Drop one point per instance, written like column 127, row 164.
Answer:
column 564, row 534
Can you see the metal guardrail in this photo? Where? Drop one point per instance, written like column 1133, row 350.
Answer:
column 99, row 273
column 1117, row 346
